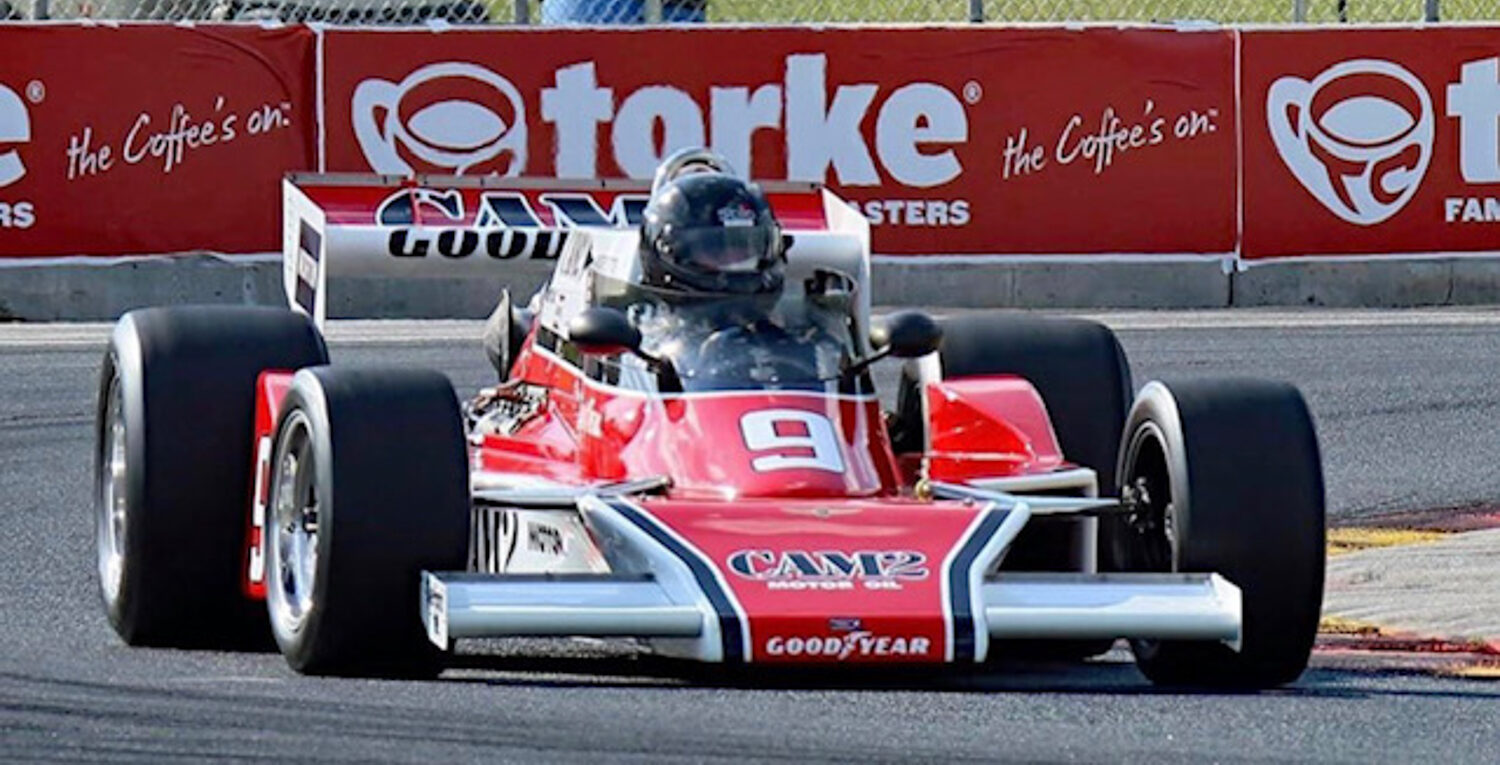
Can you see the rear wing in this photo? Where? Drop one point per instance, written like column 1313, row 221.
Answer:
column 345, row 224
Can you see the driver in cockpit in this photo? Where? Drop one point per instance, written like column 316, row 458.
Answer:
column 708, row 233
column 712, row 271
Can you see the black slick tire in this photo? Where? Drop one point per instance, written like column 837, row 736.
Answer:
column 1227, row 478
column 373, row 463
column 179, row 385
column 1076, row 365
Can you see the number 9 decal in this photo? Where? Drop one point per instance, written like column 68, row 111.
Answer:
column 816, row 449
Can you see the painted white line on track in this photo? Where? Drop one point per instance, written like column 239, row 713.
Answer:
column 341, row 332
column 419, row 331
column 1303, row 319
column 199, row 680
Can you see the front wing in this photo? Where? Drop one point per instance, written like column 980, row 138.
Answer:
column 794, row 581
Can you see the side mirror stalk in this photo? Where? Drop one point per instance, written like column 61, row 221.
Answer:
column 604, row 331
column 904, row 335
column 859, row 366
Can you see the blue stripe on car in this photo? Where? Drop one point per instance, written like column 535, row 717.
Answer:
column 730, row 628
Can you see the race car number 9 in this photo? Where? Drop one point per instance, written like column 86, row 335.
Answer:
column 798, row 439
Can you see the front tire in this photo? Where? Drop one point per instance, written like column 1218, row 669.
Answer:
column 369, row 487
column 173, row 463
column 1226, row 477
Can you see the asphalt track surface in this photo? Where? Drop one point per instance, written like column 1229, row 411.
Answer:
column 1407, row 406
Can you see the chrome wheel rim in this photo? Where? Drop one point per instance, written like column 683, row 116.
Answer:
column 293, row 526
column 111, row 508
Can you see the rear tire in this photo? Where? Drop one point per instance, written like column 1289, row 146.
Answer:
column 173, row 468
column 1076, row 365
column 369, row 487
column 1229, row 480
column 1083, row 377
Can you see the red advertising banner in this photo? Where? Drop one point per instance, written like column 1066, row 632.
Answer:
column 1371, row 141
column 950, row 140
column 150, row 138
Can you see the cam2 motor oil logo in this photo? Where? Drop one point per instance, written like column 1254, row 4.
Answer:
column 829, row 569
column 1358, row 136
column 15, row 132
column 501, row 224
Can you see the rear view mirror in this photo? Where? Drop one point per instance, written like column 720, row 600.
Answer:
column 602, row 331
column 907, row 335
column 904, row 335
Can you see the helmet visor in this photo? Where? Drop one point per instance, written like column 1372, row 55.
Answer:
column 731, row 249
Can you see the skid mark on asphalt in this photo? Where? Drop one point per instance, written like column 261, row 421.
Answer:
column 1439, row 519
column 1383, row 650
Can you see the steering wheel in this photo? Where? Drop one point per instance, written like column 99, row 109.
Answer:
column 740, row 357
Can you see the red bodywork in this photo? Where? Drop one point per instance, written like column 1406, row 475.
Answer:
column 987, row 427
column 728, row 445
column 354, row 205
column 853, row 581
column 270, row 389
column 795, row 498
column 790, row 508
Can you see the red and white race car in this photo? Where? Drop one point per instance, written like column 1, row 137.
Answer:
column 653, row 466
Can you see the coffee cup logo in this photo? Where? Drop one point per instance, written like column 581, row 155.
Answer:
column 1358, row 136
column 447, row 118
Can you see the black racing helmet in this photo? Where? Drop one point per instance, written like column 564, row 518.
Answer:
column 711, row 232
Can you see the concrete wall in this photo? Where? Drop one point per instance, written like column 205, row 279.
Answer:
column 90, row 291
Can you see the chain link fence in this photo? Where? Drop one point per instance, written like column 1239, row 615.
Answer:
column 395, row 12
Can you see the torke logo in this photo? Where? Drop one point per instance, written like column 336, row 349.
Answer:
column 462, row 118
column 15, row 129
